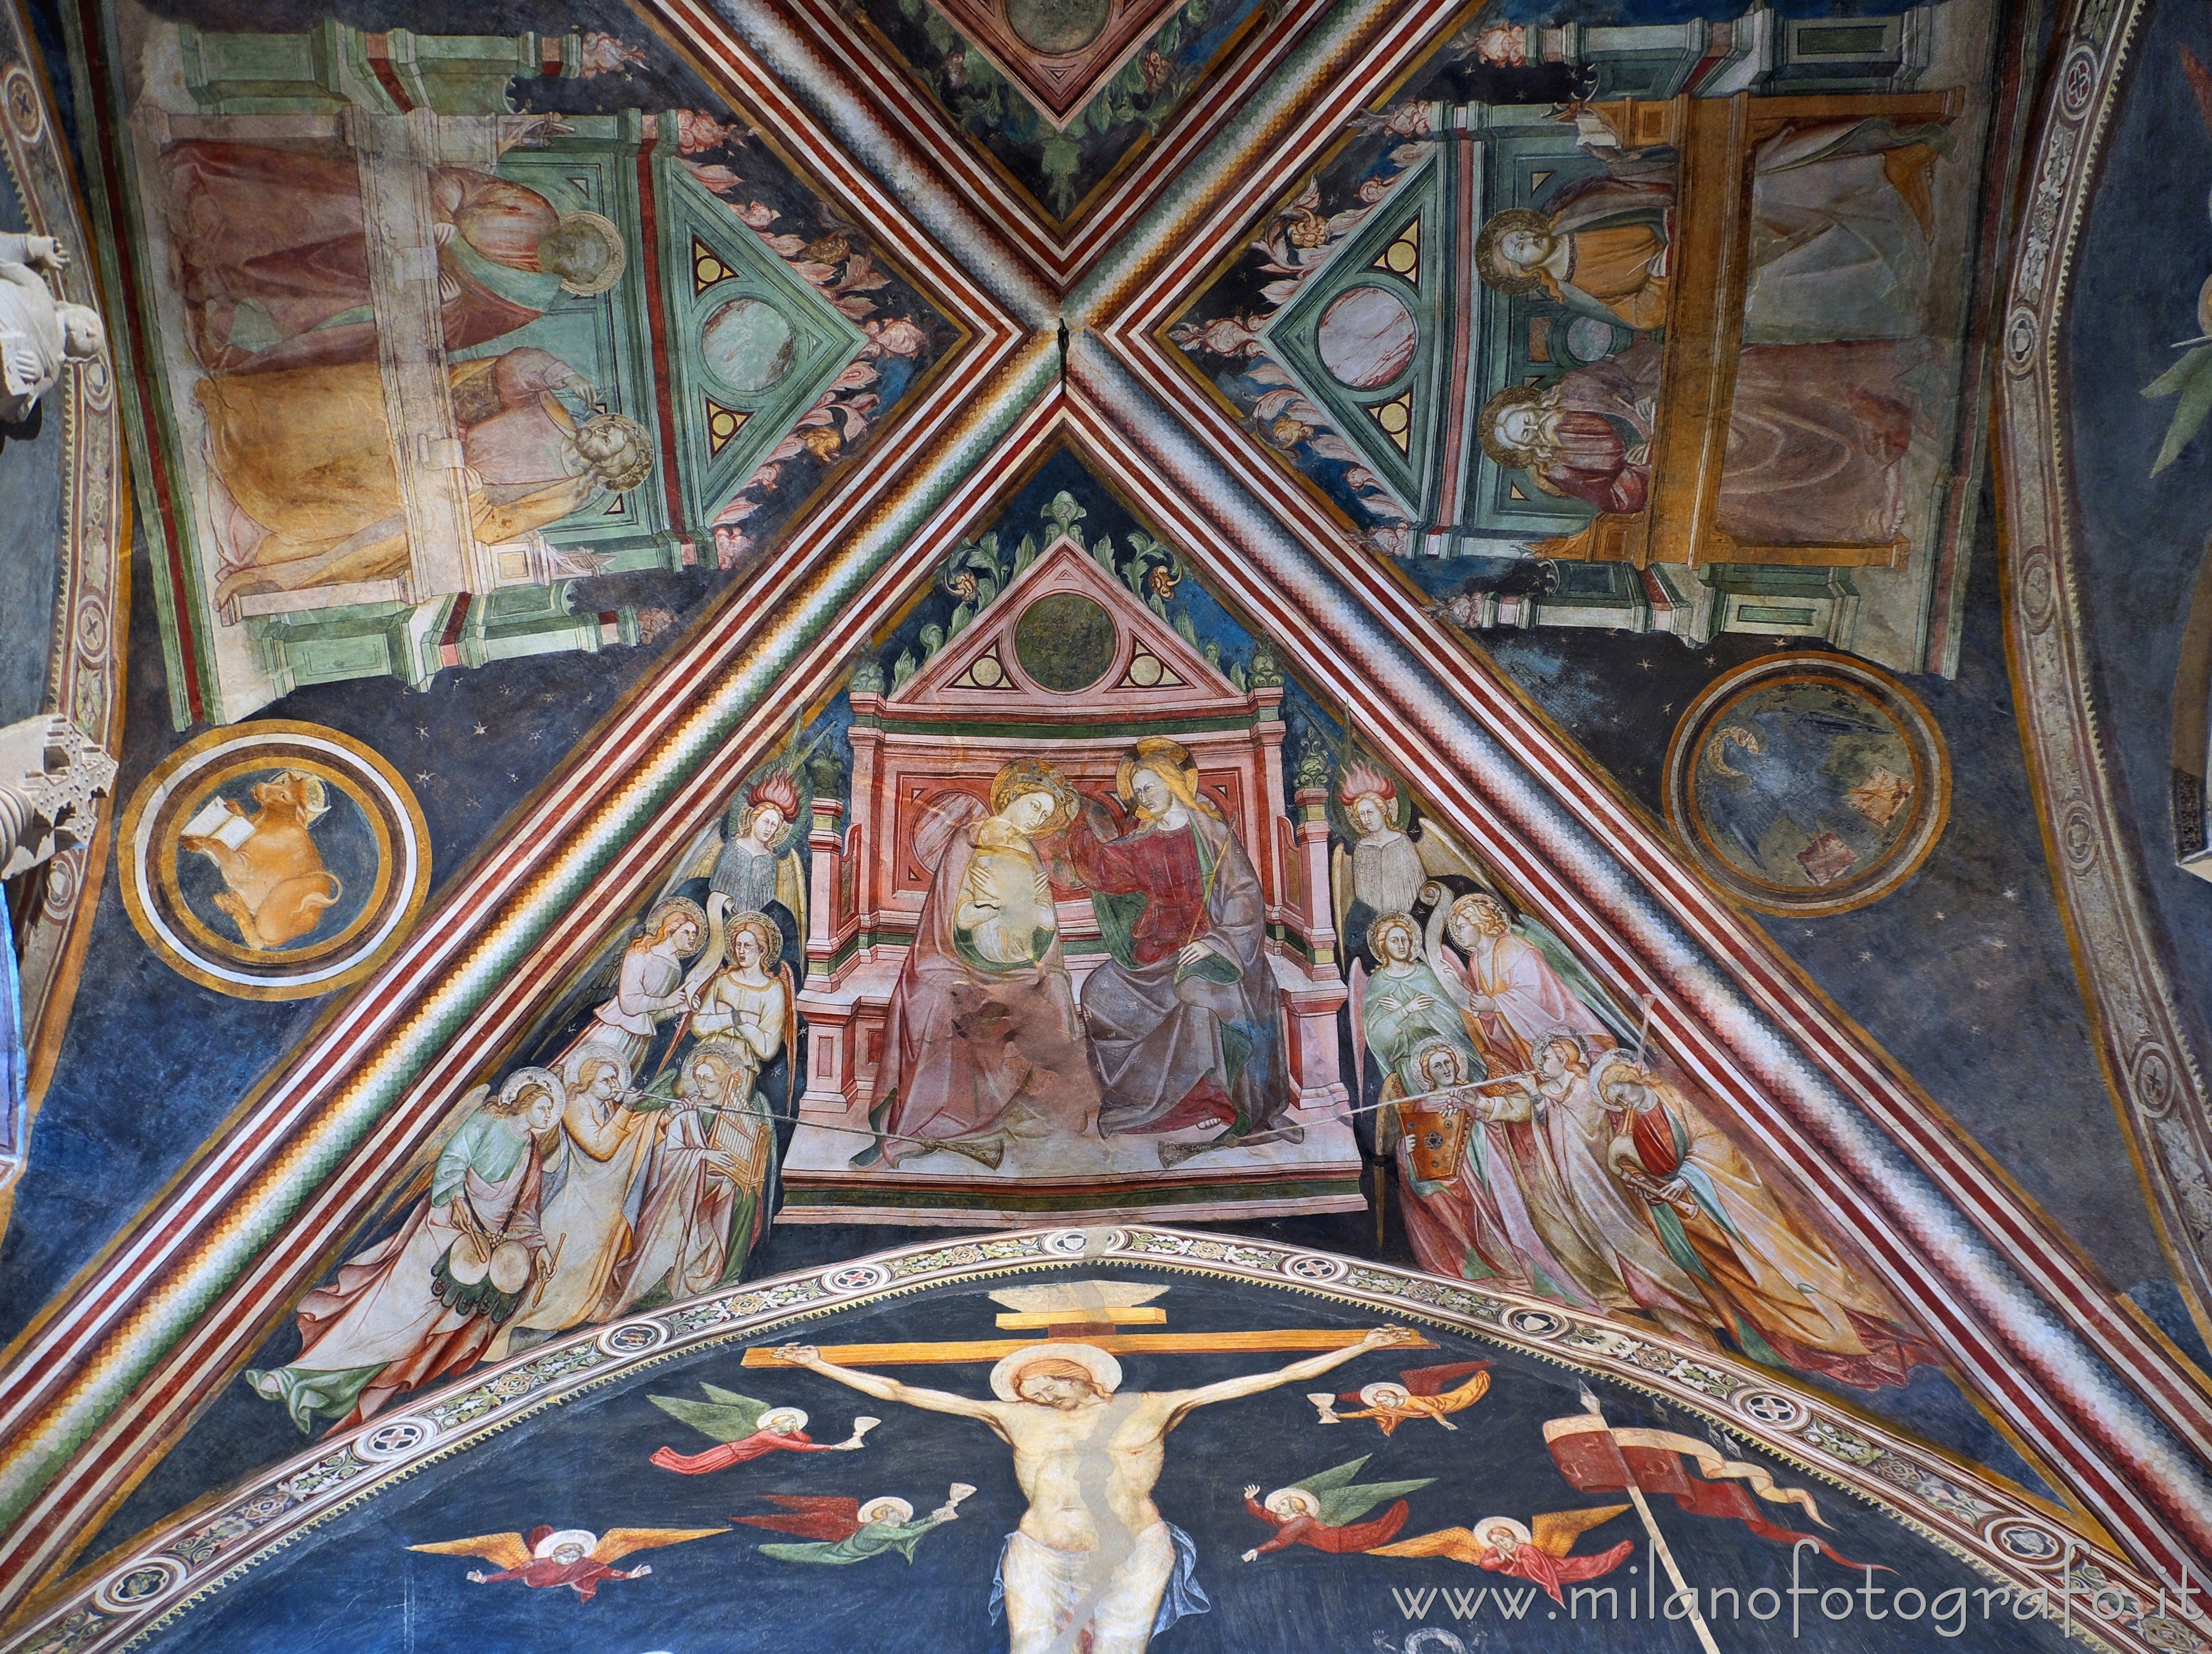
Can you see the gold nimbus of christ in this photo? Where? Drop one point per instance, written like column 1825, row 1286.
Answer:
column 1092, row 1550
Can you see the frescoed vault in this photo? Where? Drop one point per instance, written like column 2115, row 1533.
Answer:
column 860, row 653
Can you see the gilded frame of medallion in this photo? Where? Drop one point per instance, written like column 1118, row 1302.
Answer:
column 158, row 910
column 1931, row 778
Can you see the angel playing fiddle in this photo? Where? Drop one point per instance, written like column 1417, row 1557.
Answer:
column 575, row 1557
column 1423, row 1393
column 1538, row 1552
column 745, row 1429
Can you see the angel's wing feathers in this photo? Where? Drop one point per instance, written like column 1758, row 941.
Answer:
column 414, row 1177
column 1441, row 853
column 1333, row 1478
column 790, row 891
column 618, row 1542
column 706, row 851
column 2200, row 82
column 1343, row 1505
column 501, row 1550
column 725, row 1421
column 1456, row 1543
column 1435, row 1380
column 1584, row 986
column 1556, row 1531
column 810, row 1515
column 730, row 1398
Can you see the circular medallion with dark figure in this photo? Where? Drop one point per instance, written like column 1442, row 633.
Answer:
column 1057, row 26
column 1065, row 642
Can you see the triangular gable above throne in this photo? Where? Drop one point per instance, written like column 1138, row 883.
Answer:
column 1068, row 642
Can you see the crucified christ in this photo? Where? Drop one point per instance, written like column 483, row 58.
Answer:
column 1092, row 1553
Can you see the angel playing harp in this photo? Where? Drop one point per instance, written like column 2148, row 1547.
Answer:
column 575, row 1557
column 1323, row 1511
column 1537, row 1551
column 841, row 1531
column 746, row 1429
column 1421, row 1393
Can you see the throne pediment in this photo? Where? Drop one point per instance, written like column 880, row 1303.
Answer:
column 1068, row 642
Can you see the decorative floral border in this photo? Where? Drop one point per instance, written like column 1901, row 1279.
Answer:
column 2154, row 1075
column 183, row 1564
column 84, row 672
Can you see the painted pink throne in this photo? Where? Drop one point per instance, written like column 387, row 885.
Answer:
column 1005, row 687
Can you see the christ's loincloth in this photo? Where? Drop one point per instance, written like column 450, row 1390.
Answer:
column 1051, row 1597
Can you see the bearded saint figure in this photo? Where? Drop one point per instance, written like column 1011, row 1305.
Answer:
column 1816, row 444
column 307, row 492
column 273, row 255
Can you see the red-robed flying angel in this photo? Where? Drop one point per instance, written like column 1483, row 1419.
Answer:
column 1506, row 1545
column 575, row 1557
column 746, row 1430
column 1421, row 1393
column 1320, row 1511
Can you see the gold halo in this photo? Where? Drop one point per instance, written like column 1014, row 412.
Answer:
column 617, row 253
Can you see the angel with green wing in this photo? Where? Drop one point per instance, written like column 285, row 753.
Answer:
column 744, row 1429
column 1323, row 1511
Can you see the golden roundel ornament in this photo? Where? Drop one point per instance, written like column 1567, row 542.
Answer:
column 273, row 861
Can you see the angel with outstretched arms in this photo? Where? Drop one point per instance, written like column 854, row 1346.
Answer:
column 743, row 1430
column 1092, row 1554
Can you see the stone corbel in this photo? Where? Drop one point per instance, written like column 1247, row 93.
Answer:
column 52, row 775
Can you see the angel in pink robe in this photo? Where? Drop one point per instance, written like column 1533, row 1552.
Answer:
column 983, row 1038
column 1508, row 993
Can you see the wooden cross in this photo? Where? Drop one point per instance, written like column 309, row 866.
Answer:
column 1087, row 1312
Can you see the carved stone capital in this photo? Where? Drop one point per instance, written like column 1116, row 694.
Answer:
column 51, row 774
